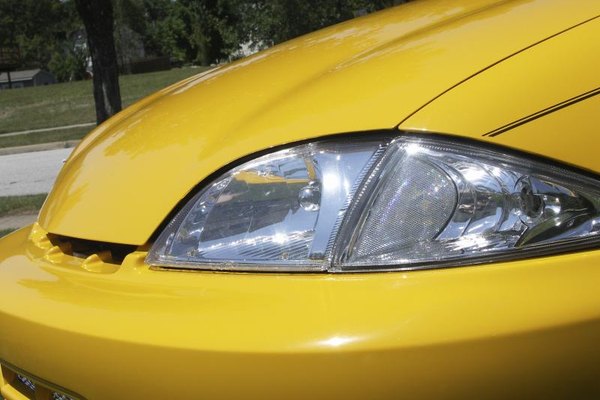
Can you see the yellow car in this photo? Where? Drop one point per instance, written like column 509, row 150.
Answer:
column 406, row 205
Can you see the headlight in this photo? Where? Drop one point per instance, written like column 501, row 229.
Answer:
column 409, row 202
column 278, row 211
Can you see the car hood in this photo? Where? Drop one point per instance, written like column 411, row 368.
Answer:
column 127, row 176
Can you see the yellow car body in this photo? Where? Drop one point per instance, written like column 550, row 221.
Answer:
column 522, row 74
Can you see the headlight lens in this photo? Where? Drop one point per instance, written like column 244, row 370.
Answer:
column 275, row 212
column 387, row 204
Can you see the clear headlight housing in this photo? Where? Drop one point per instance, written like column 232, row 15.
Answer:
column 414, row 201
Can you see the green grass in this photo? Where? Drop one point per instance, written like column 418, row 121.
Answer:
column 4, row 232
column 73, row 103
column 14, row 205
column 44, row 137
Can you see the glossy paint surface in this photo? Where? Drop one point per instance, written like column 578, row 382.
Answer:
column 524, row 329
column 497, row 331
column 121, row 183
column 522, row 87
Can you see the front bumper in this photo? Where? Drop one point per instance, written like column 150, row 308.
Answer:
column 513, row 330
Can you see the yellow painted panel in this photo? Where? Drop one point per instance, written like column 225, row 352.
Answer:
column 523, row 329
column 570, row 135
column 520, row 329
column 550, row 73
column 366, row 74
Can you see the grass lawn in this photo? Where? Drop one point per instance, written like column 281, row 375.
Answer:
column 19, row 205
column 73, row 103
column 4, row 232
column 14, row 205
column 44, row 137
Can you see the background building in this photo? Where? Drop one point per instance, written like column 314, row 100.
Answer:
column 27, row 78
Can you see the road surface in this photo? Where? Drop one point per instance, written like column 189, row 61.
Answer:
column 30, row 173
column 17, row 221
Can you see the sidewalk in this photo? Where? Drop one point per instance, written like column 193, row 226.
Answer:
column 54, row 128
column 31, row 172
column 21, row 220
column 38, row 147
column 17, row 221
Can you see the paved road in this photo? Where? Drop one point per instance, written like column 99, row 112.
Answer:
column 17, row 221
column 30, row 173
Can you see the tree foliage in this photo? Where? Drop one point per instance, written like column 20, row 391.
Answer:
column 269, row 22
column 210, row 31
column 42, row 30
column 193, row 31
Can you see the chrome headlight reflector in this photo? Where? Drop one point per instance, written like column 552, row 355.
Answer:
column 414, row 201
column 276, row 212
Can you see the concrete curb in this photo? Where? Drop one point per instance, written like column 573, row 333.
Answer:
column 38, row 147
column 54, row 128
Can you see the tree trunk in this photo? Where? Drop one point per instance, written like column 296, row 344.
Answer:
column 97, row 16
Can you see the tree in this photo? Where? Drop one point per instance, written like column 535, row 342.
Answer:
column 97, row 17
column 37, row 27
column 269, row 22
